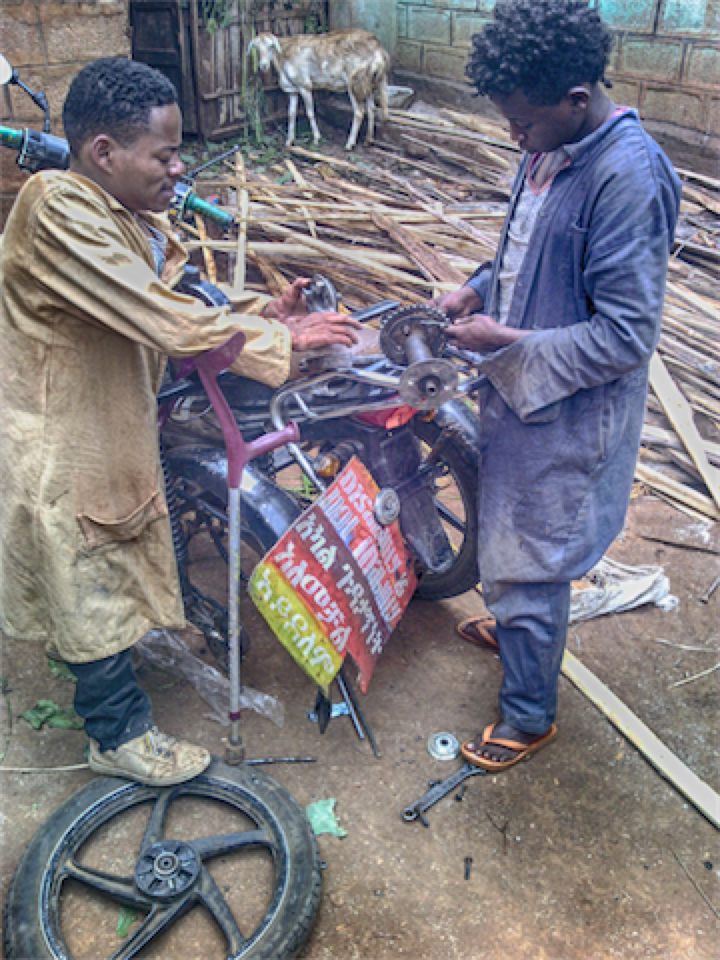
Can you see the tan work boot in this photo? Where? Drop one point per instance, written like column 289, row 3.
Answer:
column 154, row 758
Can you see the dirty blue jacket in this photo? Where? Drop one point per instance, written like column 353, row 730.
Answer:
column 563, row 408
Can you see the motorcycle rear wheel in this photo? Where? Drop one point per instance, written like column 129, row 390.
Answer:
column 38, row 920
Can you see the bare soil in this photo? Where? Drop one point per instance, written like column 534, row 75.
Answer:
column 574, row 854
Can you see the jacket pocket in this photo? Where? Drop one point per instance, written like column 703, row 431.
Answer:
column 98, row 532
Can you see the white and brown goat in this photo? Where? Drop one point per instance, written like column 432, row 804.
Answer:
column 351, row 60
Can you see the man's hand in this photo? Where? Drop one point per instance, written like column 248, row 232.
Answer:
column 481, row 333
column 291, row 304
column 318, row 330
column 459, row 303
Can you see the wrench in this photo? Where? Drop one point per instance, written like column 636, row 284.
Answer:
column 440, row 790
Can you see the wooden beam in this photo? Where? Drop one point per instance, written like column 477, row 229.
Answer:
column 680, row 416
column 654, row 750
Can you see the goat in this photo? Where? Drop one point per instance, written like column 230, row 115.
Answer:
column 351, row 60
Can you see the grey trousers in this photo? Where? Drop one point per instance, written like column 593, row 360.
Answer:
column 532, row 621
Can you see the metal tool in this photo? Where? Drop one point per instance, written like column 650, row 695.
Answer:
column 705, row 598
column 262, row 761
column 416, row 810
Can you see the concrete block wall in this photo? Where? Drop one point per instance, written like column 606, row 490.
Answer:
column 666, row 60
column 48, row 41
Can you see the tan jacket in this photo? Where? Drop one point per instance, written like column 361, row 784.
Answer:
column 86, row 555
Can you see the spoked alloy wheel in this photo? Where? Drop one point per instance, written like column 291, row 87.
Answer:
column 263, row 892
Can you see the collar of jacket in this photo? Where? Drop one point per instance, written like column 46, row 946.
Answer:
column 579, row 152
column 176, row 255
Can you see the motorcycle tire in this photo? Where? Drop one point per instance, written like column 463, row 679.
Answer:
column 462, row 466
column 33, row 913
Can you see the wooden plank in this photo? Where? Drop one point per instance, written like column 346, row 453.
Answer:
column 702, row 796
column 302, row 182
column 680, row 416
column 656, row 480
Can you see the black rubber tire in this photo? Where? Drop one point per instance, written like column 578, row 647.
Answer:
column 292, row 917
column 463, row 575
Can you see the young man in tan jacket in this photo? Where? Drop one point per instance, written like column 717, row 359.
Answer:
column 88, row 316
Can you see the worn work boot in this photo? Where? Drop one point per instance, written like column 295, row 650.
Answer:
column 154, row 758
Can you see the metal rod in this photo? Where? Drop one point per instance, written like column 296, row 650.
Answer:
column 350, row 705
column 361, row 716
column 234, row 540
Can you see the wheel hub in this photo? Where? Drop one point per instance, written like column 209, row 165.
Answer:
column 167, row 869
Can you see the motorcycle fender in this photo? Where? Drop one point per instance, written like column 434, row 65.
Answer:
column 266, row 509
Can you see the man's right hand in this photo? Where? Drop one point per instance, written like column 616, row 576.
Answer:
column 460, row 303
column 318, row 330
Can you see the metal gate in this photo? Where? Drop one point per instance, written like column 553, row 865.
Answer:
column 201, row 45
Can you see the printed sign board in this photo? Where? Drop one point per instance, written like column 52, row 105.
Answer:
column 337, row 582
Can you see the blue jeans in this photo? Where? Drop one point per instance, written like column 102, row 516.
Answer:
column 532, row 621
column 109, row 700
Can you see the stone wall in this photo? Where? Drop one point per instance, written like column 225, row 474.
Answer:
column 48, row 41
column 666, row 60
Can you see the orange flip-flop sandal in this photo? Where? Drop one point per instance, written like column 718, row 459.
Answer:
column 495, row 766
column 485, row 631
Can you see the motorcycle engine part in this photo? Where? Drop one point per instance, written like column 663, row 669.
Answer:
column 320, row 295
column 169, row 876
column 428, row 384
column 386, row 507
column 411, row 334
column 443, row 746
column 414, row 337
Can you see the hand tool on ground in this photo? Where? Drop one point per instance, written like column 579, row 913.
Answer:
column 416, row 810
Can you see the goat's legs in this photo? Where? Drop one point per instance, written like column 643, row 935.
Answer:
column 358, row 114
column 310, row 111
column 292, row 114
column 370, row 107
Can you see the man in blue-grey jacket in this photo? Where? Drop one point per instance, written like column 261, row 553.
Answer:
column 567, row 316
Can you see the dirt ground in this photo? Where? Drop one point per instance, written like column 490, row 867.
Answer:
column 575, row 854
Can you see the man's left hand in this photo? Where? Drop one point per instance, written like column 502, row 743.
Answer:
column 481, row 333
column 291, row 305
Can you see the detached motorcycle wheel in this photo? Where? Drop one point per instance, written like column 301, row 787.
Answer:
column 170, row 876
column 458, row 511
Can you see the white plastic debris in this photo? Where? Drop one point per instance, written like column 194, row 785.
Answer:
column 169, row 652
column 613, row 587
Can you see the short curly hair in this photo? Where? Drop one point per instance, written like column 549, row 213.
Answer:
column 114, row 96
column 540, row 47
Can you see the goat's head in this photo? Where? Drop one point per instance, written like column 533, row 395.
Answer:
column 264, row 44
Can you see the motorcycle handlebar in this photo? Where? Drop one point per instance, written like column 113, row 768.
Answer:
column 11, row 138
column 43, row 151
column 209, row 210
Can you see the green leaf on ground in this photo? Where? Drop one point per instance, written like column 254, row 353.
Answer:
column 126, row 918
column 322, row 818
column 58, row 668
column 46, row 711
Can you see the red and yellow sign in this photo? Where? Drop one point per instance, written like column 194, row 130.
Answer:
column 337, row 582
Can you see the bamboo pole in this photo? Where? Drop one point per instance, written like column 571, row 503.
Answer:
column 207, row 249
column 243, row 207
